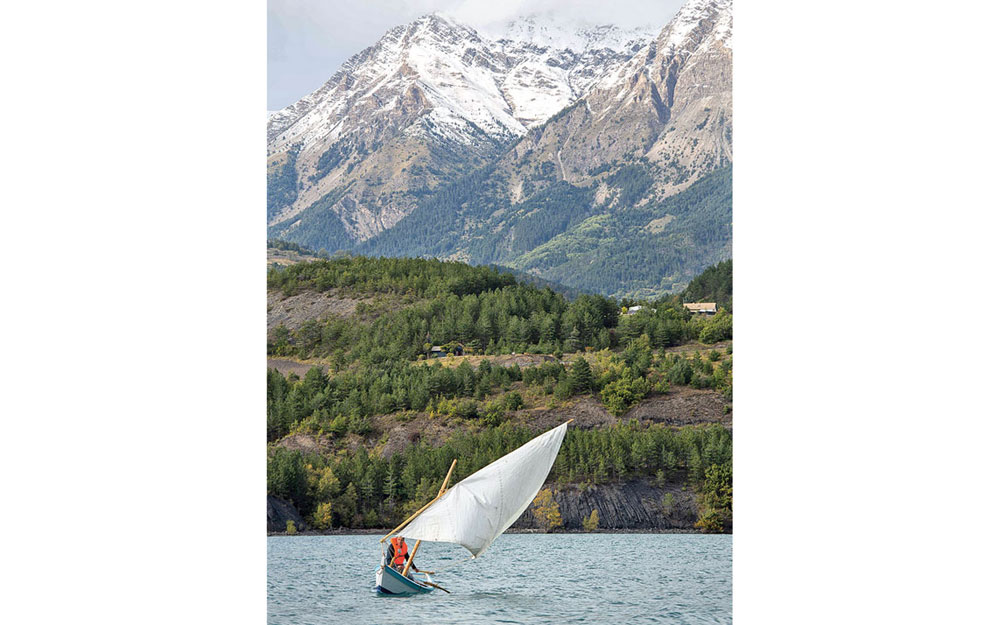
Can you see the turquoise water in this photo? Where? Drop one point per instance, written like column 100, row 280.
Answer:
column 522, row 578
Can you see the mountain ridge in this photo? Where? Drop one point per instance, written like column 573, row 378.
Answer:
column 648, row 127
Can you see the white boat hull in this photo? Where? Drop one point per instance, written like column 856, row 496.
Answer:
column 390, row 582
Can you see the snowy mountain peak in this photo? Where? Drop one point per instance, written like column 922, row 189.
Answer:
column 501, row 82
column 430, row 96
column 693, row 14
column 545, row 31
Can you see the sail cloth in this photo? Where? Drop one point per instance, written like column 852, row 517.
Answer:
column 479, row 508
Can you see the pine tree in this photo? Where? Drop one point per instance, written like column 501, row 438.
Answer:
column 346, row 505
column 573, row 343
column 581, row 376
column 390, row 484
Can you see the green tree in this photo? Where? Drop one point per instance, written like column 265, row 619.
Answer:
column 620, row 395
column 590, row 523
column 287, row 477
column 391, row 484
column 573, row 342
column 580, row 375
column 661, row 478
column 346, row 505
column 290, row 527
column 667, row 503
column 718, row 328
column 563, row 389
column 715, row 499
column 680, row 373
column 513, row 401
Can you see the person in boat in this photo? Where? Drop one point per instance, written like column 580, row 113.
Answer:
column 398, row 553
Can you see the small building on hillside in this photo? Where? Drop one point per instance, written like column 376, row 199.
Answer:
column 451, row 349
column 631, row 310
column 705, row 308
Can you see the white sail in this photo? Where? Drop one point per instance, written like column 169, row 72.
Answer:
column 479, row 508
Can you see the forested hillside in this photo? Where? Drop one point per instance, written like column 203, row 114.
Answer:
column 715, row 284
column 363, row 437
column 596, row 238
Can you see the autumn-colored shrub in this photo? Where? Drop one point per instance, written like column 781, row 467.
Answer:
column 546, row 510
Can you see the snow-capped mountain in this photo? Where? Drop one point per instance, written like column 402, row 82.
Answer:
column 670, row 103
column 627, row 190
column 553, row 64
column 591, row 156
column 429, row 99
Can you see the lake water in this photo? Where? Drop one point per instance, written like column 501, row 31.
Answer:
column 522, row 578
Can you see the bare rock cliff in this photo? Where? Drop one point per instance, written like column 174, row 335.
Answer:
column 280, row 512
column 631, row 505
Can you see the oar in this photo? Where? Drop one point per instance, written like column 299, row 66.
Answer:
column 436, row 586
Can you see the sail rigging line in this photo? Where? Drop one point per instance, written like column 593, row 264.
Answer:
column 454, row 564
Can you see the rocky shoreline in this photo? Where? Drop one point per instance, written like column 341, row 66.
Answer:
column 384, row 531
column 628, row 507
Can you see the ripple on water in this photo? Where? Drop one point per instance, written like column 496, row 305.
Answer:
column 523, row 578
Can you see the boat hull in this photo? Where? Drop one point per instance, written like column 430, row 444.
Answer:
column 388, row 581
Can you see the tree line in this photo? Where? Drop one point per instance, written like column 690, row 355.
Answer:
column 345, row 402
column 715, row 284
column 486, row 311
column 357, row 488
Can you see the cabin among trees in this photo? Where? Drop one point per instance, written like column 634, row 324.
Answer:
column 450, row 349
column 631, row 310
column 706, row 309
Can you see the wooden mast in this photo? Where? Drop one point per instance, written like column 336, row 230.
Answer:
column 427, row 505
column 440, row 492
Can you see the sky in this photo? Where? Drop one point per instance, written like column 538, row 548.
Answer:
column 308, row 40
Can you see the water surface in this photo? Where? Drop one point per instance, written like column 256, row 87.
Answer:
column 522, row 578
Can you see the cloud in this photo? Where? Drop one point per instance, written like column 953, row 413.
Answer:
column 625, row 13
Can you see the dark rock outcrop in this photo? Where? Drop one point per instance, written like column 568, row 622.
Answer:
column 631, row 505
column 279, row 512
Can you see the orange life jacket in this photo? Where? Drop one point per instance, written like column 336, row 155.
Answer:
column 399, row 550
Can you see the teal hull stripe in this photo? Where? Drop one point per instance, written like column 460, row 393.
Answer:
column 409, row 583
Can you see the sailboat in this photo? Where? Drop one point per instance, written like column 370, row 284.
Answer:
column 474, row 512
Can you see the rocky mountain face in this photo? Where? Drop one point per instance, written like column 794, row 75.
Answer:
column 670, row 104
column 636, row 505
column 593, row 158
column 428, row 101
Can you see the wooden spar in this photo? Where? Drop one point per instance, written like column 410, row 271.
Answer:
column 444, row 485
column 412, row 516
column 448, row 476
column 427, row 505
